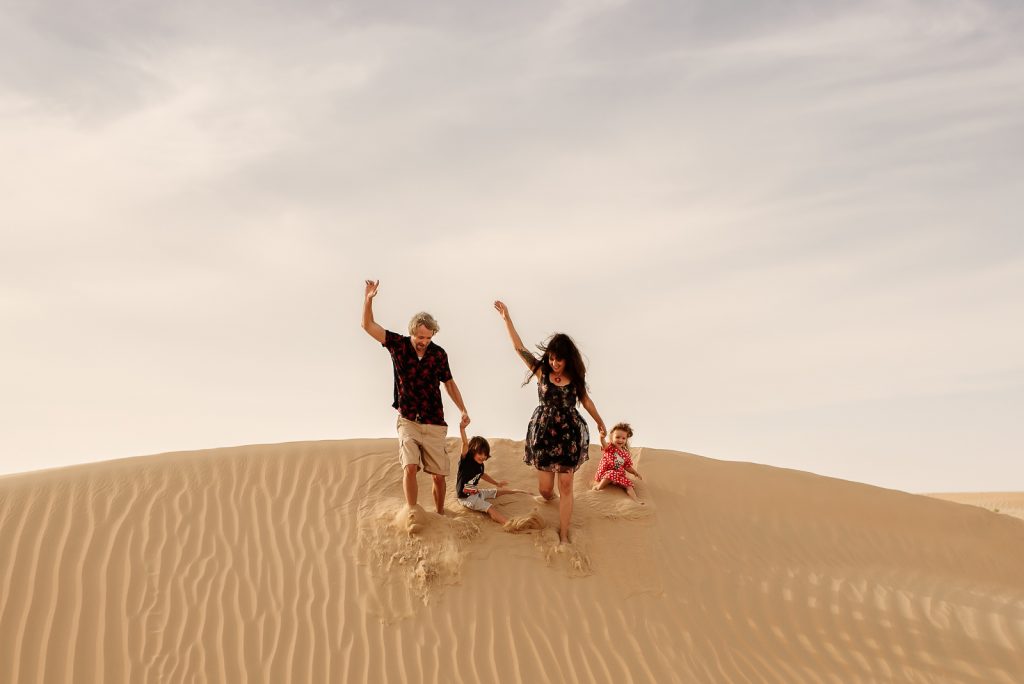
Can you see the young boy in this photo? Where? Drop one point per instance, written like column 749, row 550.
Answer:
column 471, row 470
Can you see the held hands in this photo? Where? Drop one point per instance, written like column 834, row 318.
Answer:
column 371, row 289
column 465, row 420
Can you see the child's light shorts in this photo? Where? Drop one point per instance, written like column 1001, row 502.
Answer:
column 478, row 501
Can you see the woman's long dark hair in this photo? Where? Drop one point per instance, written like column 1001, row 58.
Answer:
column 561, row 346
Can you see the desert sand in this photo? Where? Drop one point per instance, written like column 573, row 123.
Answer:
column 293, row 563
column 1007, row 503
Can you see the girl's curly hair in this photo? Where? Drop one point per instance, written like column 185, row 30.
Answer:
column 625, row 427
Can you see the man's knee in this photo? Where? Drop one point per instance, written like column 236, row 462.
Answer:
column 411, row 469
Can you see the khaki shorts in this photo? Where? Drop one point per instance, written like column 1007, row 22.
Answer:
column 423, row 445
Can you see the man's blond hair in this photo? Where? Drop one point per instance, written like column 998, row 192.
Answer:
column 424, row 319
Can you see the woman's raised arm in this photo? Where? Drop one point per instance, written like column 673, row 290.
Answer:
column 521, row 351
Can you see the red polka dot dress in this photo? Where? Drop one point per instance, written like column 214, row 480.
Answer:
column 614, row 461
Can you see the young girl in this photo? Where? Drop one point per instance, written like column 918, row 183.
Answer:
column 616, row 461
column 471, row 470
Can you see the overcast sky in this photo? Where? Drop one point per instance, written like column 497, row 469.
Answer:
column 788, row 233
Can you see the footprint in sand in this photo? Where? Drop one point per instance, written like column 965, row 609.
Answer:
column 533, row 521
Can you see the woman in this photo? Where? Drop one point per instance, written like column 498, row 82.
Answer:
column 557, row 438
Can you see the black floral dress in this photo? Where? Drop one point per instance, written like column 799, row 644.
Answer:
column 557, row 438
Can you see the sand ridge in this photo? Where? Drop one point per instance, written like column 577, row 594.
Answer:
column 290, row 562
column 1007, row 503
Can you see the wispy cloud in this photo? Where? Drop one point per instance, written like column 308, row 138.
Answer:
column 806, row 207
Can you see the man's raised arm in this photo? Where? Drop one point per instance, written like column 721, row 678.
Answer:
column 372, row 328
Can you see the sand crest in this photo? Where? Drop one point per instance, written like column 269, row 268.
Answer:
column 298, row 563
column 1007, row 503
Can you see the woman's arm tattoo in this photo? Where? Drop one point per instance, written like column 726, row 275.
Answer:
column 527, row 356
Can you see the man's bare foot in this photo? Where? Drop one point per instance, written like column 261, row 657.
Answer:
column 411, row 519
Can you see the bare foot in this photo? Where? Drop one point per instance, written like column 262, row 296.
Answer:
column 411, row 519
column 541, row 499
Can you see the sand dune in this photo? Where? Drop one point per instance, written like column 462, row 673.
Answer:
column 1007, row 503
column 292, row 563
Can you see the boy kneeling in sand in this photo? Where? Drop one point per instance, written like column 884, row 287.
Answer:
column 471, row 470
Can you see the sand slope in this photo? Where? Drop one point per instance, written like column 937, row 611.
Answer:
column 285, row 562
column 1007, row 503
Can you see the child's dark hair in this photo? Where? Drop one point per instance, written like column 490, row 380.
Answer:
column 478, row 445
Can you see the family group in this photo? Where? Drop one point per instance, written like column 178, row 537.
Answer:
column 557, row 438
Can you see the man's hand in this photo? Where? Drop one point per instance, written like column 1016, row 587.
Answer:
column 465, row 420
column 369, row 325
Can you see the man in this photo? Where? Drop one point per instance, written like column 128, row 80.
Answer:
column 420, row 367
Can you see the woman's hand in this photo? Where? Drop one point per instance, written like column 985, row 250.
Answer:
column 502, row 309
column 517, row 342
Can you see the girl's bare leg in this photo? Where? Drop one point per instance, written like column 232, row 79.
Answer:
column 632, row 495
column 602, row 484
column 564, row 505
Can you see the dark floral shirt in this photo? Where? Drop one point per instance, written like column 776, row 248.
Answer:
column 418, row 381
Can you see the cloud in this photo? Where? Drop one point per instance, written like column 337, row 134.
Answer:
column 744, row 212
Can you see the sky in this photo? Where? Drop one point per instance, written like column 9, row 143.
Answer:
column 785, row 233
